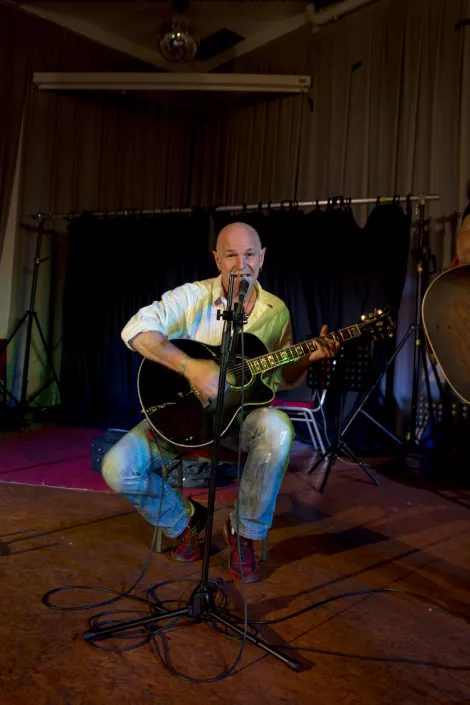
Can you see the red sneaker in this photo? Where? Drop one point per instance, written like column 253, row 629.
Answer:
column 245, row 560
column 188, row 548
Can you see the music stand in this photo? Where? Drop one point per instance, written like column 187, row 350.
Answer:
column 341, row 375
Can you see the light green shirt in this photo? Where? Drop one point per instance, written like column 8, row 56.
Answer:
column 190, row 311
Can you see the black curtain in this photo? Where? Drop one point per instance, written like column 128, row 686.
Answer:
column 325, row 267
column 322, row 264
column 329, row 270
column 115, row 266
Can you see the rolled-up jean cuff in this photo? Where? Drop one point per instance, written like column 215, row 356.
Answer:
column 253, row 535
column 181, row 524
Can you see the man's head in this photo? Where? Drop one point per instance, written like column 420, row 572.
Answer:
column 238, row 249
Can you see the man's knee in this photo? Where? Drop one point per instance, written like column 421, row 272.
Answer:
column 275, row 424
column 112, row 472
column 125, row 463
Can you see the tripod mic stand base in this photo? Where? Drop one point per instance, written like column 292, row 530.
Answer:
column 202, row 608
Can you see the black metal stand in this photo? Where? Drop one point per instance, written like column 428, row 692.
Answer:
column 339, row 446
column 423, row 258
column 360, row 409
column 202, row 604
column 31, row 317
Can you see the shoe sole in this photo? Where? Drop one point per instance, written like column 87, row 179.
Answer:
column 186, row 560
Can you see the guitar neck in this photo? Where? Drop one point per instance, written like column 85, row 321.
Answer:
column 267, row 362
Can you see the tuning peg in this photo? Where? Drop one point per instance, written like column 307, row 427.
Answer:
column 363, row 317
column 379, row 312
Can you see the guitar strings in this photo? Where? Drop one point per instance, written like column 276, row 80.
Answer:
column 237, row 368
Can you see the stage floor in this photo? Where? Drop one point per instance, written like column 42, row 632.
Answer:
column 370, row 649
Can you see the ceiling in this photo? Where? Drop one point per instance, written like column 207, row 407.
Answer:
column 226, row 29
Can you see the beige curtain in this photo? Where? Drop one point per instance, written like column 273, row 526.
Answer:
column 104, row 153
column 391, row 104
column 247, row 153
column 28, row 44
column 247, row 148
column 14, row 78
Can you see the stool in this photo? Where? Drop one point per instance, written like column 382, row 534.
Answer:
column 225, row 456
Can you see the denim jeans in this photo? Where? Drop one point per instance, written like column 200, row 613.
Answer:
column 131, row 468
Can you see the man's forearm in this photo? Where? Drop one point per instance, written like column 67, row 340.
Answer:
column 154, row 346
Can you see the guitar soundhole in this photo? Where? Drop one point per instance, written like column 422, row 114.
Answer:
column 235, row 373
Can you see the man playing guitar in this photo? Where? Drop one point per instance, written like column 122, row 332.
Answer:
column 190, row 312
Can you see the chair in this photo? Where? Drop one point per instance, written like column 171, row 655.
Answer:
column 304, row 412
column 201, row 455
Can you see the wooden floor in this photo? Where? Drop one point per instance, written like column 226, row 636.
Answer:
column 369, row 649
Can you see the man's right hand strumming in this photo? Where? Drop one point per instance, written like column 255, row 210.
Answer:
column 203, row 376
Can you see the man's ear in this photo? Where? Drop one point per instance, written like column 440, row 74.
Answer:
column 262, row 254
column 216, row 257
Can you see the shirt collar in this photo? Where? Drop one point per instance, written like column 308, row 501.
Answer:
column 218, row 295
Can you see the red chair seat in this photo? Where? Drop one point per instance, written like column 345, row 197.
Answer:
column 292, row 404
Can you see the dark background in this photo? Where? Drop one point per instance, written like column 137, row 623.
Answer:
column 322, row 264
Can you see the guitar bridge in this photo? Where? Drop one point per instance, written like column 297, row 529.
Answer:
column 149, row 411
column 153, row 409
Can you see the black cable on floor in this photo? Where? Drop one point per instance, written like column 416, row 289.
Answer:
column 119, row 595
column 357, row 594
column 153, row 604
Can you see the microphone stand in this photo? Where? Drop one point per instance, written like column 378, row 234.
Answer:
column 202, row 605
column 239, row 318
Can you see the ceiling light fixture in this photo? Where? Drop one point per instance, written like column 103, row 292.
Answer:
column 177, row 41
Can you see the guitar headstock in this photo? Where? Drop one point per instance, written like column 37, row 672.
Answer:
column 378, row 323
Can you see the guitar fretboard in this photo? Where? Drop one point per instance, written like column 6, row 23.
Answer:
column 282, row 357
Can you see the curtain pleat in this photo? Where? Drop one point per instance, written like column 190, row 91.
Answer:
column 14, row 78
column 114, row 267
column 391, row 109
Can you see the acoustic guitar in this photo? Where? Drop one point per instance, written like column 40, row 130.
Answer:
column 177, row 414
column 446, row 321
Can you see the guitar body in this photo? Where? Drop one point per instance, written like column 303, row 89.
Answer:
column 446, row 320
column 176, row 413
column 180, row 417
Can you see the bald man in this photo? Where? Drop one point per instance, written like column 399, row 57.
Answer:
column 190, row 311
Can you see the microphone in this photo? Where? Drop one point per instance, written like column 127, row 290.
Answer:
column 243, row 286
